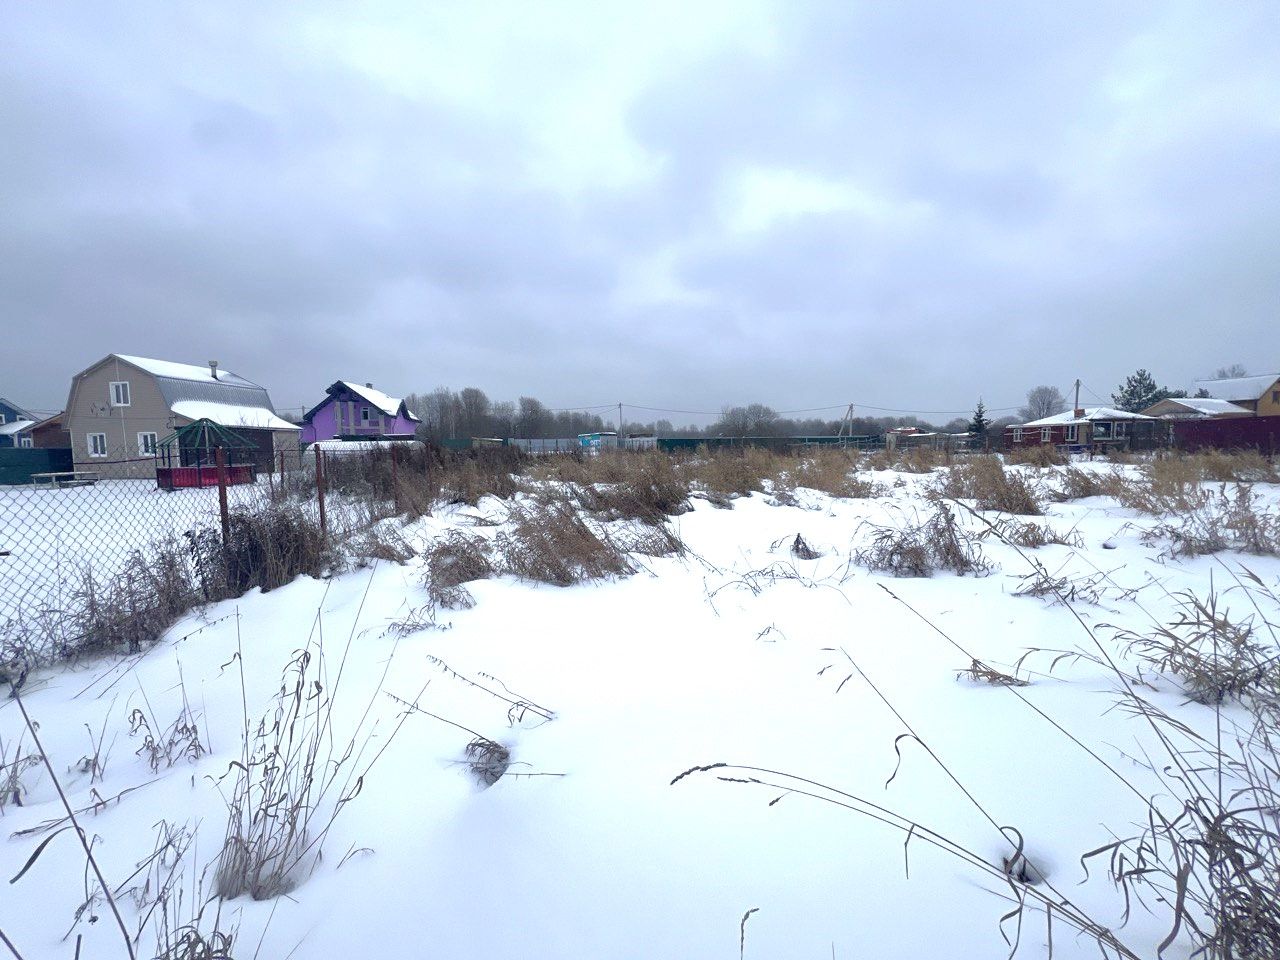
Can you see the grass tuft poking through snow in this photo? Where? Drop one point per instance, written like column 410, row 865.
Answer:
column 918, row 549
column 296, row 774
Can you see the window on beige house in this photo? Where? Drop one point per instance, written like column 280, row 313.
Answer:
column 97, row 444
column 120, row 393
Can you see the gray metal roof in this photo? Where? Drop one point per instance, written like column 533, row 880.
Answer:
column 237, row 392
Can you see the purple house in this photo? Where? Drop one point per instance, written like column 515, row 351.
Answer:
column 351, row 411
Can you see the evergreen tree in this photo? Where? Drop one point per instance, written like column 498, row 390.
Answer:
column 1139, row 391
column 980, row 421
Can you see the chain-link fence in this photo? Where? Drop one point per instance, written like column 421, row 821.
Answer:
column 95, row 517
column 70, row 538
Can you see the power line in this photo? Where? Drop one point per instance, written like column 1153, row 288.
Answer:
column 834, row 406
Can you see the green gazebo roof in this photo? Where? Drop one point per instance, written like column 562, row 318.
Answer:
column 206, row 435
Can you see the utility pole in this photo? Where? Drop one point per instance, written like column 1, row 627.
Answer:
column 1077, row 406
column 846, row 422
column 619, row 424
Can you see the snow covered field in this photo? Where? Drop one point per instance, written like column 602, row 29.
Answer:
column 585, row 847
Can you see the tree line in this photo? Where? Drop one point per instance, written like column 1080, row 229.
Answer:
column 459, row 414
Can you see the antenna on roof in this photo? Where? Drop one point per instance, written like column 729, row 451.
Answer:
column 213, row 369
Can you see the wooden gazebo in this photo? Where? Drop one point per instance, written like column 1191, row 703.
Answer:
column 188, row 457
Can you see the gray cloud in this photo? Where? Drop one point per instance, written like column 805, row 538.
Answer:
column 798, row 204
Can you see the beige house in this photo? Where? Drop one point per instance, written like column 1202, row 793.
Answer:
column 120, row 408
column 1195, row 408
column 1258, row 395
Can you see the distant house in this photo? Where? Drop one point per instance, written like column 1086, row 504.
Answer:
column 122, row 406
column 1195, row 408
column 351, row 411
column 1259, row 395
column 50, row 434
column 14, row 424
column 1082, row 427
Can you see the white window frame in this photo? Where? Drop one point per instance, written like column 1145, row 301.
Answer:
column 26, row 441
column 142, row 447
column 89, row 438
column 1046, row 434
column 366, row 416
column 1073, row 433
column 1017, row 434
column 121, row 398
column 2, row 418
column 1119, row 430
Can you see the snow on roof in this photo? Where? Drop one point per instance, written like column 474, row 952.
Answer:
column 1239, row 388
column 1206, row 405
column 16, row 426
column 229, row 415
column 1090, row 414
column 183, row 371
column 345, row 445
column 387, row 404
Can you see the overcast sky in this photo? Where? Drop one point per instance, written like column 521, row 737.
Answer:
column 680, row 205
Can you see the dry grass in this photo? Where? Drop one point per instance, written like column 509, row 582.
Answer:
column 484, row 472
column 918, row 549
column 833, row 472
column 1213, row 656
column 382, row 541
column 1031, row 535
column 551, row 543
column 487, row 760
column 1210, row 466
column 1041, row 455
column 909, row 460
column 295, row 776
column 1218, row 522
column 984, row 480
column 1077, row 484
column 979, row 672
column 643, row 486
column 734, row 472
column 453, row 561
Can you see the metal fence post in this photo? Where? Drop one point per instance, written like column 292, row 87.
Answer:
column 223, row 512
column 320, row 489
column 395, row 482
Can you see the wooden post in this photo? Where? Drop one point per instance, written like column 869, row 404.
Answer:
column 222, row 496
column 282, row 469
column 320, row 488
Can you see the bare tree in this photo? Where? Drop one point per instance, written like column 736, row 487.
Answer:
column 1226, row 373
column 754, row 420
column 1043, row 401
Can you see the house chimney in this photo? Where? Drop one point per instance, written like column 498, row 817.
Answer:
column 213, row 369
column 1078, row 413
column 369, row 385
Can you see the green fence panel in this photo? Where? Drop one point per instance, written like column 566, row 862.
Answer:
column 17, row 464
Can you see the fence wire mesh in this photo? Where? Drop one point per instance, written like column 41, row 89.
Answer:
column 105, row 534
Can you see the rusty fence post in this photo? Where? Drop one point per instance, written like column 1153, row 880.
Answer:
column 320, row 489
column 223, row 511
column 395, row 482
